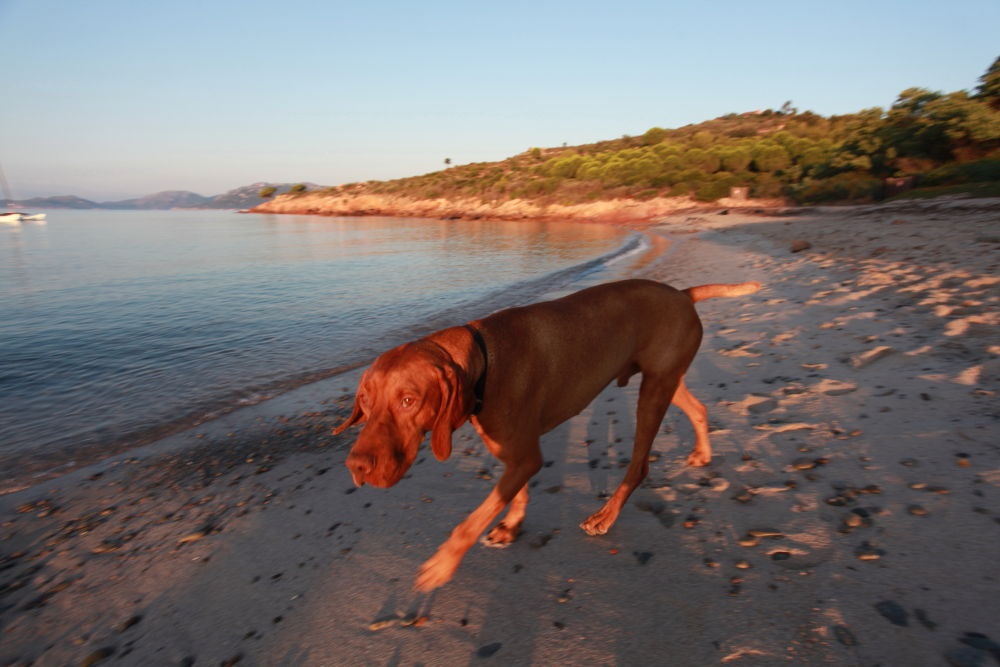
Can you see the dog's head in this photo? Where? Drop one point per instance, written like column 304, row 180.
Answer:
column 409, row 391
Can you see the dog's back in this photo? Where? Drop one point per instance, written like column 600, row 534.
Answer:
column 556, row 356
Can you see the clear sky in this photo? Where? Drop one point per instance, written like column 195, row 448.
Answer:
column 109, row 99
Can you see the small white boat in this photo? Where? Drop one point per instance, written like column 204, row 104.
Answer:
column 33, row 217
column 10, row 218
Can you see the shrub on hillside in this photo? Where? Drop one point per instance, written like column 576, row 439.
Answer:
column 849, row 186
column 979, row 171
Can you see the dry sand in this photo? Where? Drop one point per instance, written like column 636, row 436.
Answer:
column 850, row 515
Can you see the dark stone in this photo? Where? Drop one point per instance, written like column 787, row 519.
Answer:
column 488, row 650
column 893, row 612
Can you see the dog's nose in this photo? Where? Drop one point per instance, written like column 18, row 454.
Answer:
column 361, row 466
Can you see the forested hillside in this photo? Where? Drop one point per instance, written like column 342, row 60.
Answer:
column 925, row 139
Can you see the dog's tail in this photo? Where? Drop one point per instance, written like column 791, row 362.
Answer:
column 702, row 292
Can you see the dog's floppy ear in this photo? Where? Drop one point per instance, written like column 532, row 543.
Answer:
column 357, row 413
column 455, row 406
column 357, row 416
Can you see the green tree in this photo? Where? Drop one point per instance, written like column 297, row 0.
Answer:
column 813, row 157
column 908, row 130
column 267, row 192
column 704, row 161
column 932, row 126
column 298, row 188
column 653, row 136
column 665, row 150
column 644, row 168
column 965, row 123
column 735, row 158
column 672, row 163
column 702, row 139
column 989, row 86
column 565, row 167
column 787, row 109
column 862, row 147
column 590, row 169
column 770, row 157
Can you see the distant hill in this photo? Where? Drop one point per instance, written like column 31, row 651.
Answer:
column 244, row 197
column 162, row 201
column 248, row 196
column 64, row 201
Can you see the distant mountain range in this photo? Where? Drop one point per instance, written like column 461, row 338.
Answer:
column 247, row 196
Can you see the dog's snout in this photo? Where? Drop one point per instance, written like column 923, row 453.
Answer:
column 361, row 466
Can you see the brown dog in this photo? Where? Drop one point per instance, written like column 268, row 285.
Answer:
column 520, row 373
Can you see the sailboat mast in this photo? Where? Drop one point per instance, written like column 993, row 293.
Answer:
column 7, row 199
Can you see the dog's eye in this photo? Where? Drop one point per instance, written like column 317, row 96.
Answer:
column 407, row 401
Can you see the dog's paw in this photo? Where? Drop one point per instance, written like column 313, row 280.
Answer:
column 501, row 536
column 436, row 572
column 599, row 523
column 699, row 459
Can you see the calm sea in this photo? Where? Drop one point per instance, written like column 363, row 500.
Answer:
column 121, row 325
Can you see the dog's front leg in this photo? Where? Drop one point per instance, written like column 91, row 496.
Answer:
column 507, row 531
column 440, row 568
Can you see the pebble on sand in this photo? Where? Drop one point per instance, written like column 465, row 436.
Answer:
column 766, row 532
column 867, row 551
column 804, row 463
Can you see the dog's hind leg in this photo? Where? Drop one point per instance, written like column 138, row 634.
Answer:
column 701, row 455
column 655, row 396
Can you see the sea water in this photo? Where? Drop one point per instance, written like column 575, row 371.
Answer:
column 123, row 326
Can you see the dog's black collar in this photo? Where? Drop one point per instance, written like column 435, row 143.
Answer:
column 480, row 387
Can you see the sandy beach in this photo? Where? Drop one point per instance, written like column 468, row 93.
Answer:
column 850, row 516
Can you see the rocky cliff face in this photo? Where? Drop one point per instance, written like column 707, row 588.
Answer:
column 610, row 211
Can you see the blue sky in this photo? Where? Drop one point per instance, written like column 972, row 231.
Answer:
column 109, row 99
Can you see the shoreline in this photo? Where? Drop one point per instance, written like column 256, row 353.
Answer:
column 854, row 422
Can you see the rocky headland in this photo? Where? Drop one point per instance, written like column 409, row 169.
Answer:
column 611, row 211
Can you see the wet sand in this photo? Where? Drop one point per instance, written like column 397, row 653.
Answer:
column 850, row 515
